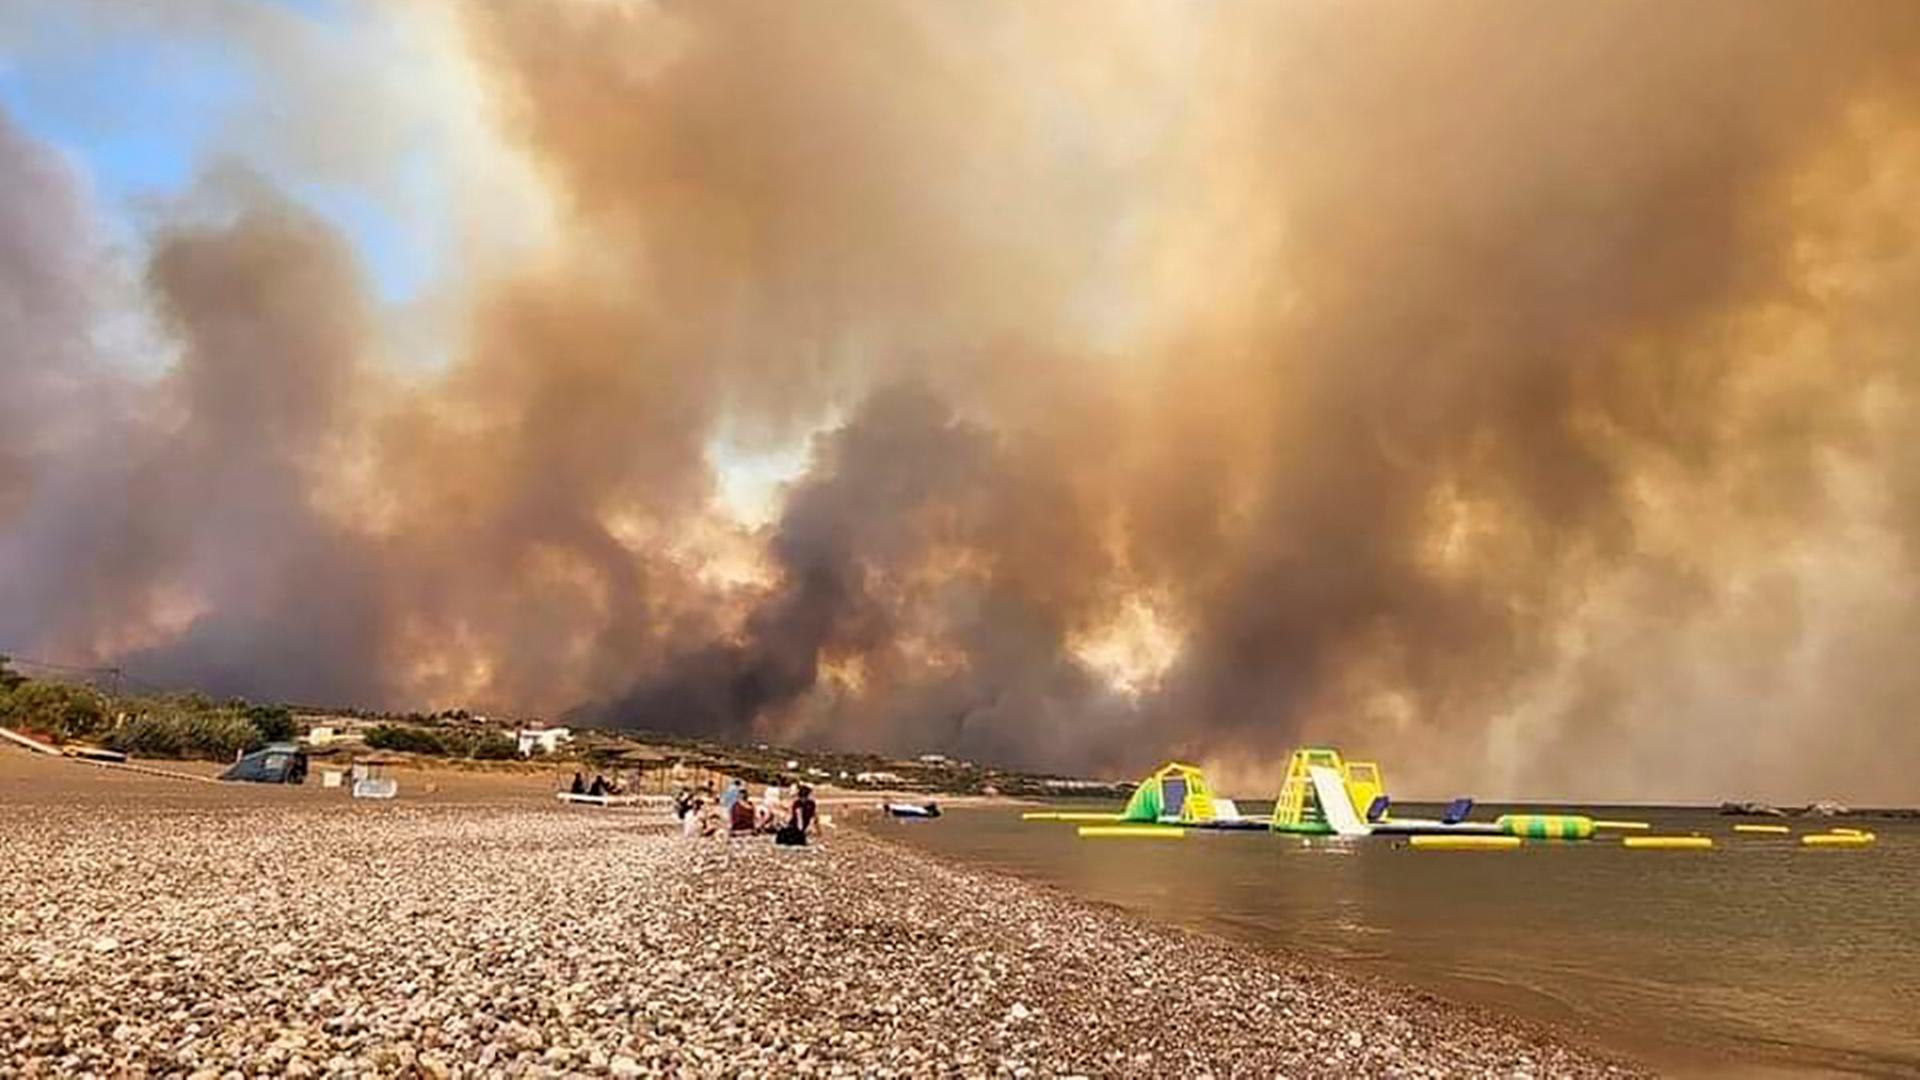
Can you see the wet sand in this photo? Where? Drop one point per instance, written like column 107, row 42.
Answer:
column 169, row 927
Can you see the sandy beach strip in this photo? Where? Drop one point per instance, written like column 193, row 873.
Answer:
column 277, row 932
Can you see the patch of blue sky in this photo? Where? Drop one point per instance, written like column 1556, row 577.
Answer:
column 331, row 11
column 397, row 244
column 135, row 114
column 141, row 114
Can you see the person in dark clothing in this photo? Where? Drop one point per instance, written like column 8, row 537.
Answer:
column 799, row 826
column 805, row 811
column 740, row 815
column 579, row 785
column 599, row 785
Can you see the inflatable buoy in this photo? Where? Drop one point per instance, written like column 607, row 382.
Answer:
column 1673, row 843
column 1547, row 826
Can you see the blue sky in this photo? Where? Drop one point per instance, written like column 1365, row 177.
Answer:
column 141, row 113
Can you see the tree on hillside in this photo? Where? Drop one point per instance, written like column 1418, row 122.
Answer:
column 275, row 722
column 9, row 678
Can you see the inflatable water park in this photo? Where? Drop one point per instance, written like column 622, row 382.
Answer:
column 1326, row 795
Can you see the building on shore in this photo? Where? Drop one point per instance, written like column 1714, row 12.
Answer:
column 541, row 740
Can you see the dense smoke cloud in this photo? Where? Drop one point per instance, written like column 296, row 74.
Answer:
column 1514, row 394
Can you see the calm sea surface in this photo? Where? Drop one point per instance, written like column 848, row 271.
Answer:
column 1758, row 956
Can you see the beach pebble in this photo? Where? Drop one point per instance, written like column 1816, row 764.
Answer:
column 236, row 931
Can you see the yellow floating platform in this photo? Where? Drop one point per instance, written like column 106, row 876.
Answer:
column 1439, row 842
column 1668, row 843
column 1849, row 832
column 1837, row 839
column 1065, row 815
column 1168, row 832
column 1636, row 826
column 1782, row 830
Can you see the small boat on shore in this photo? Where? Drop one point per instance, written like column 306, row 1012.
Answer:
column 912, row 810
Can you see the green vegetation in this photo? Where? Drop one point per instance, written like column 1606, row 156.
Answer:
column 218, row 734
column 493, row 746
column 57, row 709
column 405, row 738
column 274, row 722
column 161, row 726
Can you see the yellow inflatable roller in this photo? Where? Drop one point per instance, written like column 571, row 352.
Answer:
column 1063, row 815
column 1849, row 832
column 1143, row 831
column 1668, row 843
column 1771, row 829
column 1464, row 843
column 1837, row 839
column 1622, row 826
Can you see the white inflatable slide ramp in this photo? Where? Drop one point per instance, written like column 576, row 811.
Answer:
column 1331, row 792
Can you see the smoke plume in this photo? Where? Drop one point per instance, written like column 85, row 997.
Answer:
column 1518, row 395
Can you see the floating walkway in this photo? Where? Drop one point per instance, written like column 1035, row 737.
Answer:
column 1431, row 842
column 1851, row 839
column 1668, row 843
column 1136, row 832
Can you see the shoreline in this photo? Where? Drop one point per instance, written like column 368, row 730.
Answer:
column 205, row 929
column 1386, row 1014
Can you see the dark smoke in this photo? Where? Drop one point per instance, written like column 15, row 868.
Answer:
column 1514, row 393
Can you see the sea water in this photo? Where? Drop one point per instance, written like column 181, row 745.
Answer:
column 1758, row 955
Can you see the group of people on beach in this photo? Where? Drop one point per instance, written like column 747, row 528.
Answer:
column 733, row 813
column 702, row 812
column 600, row 786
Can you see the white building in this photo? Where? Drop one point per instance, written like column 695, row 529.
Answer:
column 543, row 740
column 320, row 736
column 933, row 759
column 877, row 778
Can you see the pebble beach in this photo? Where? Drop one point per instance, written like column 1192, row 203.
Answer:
column 166, row 928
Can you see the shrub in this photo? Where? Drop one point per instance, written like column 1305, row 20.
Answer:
column 220, row 735
column 68, row 712
column 493, row 746
column 411, row 740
